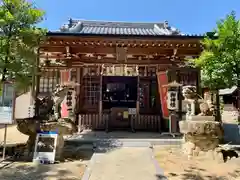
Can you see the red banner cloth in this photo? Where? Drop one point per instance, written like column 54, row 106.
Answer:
column 64, row 111
column 162, row 88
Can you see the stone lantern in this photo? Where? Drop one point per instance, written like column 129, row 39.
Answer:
column 201, row 132
column 173, row 95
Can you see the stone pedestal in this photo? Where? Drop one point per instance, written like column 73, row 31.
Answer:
column 59, row 149
column 201, row 133
column 190, row 107
column 201, row 118
column 62, row 126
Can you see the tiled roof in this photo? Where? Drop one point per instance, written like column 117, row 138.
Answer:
column 118, row 28
column 227, row 91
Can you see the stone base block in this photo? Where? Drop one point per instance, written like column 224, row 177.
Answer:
column 201, row 128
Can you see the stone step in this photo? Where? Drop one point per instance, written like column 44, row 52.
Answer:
column 130, row 142
column 122, row 142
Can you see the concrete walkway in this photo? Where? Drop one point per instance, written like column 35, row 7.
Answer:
column 231, row 133
column 126, row 163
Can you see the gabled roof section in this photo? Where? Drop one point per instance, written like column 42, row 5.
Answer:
column 227, row 91
column 118, row 28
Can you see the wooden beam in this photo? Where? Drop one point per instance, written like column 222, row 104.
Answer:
column 149, row 62
column 134, row 60
column 81, row 49
column 116, row 42
column 113, row 41
column 112, row 50
column 160, row 66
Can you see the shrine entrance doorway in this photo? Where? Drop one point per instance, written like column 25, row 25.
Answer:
column 119, row 94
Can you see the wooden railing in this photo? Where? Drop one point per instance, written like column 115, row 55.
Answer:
column 144, row 122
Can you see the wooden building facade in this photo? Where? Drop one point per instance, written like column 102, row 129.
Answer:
column 117, row 66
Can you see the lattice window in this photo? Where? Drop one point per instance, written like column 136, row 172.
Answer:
column 48, row 81
column 151, row 71
column 91, row 71
column 91, row 91
column 188, row 78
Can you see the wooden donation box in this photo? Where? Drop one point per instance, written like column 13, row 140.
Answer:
column 119, row 117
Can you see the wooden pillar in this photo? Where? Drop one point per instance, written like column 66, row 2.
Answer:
column 198, row 82
column 100, row 96
column 78, row 92
column 137, row 103
column 179, row 110
column 33, row 88
column 38, row 76
column 37, row 81
column 218, row 113
column 57, row 76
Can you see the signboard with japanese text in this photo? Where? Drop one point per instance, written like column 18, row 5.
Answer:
column 7, row 100
column 45, row 147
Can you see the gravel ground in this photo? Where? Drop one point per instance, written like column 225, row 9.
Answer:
column 176, row 166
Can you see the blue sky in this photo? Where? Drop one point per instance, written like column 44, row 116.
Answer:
column 189, row 16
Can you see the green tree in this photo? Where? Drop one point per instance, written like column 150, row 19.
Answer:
column 220, row 59
column 19, row 40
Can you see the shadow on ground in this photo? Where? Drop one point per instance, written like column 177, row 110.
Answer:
column 71, row 167
column 80, row 147
column 71, row 152
column 104, row 142
column 198, row 173
column 92, row 145
column 41, row 172
column 161, row 177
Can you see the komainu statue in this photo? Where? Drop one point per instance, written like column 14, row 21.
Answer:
column 195, row 101
column 49, row 116
column 58, row 96
column 201, row 132
column 190, row 92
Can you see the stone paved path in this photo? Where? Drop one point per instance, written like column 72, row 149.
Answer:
column 126, row 163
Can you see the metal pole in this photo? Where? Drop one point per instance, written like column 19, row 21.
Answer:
column 5, row 126
column 4, row 142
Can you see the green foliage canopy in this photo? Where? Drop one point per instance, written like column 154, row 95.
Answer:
column 220, row 59
column 19, row 40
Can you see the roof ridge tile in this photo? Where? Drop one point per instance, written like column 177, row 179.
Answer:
column 121, row 28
